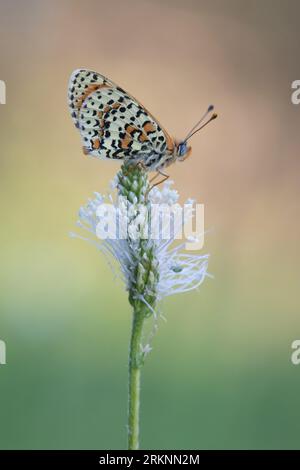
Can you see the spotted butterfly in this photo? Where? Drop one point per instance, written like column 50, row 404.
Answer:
column 114, row 125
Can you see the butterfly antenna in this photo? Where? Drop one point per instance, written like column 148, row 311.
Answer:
column 191, row 132
column 214, row 116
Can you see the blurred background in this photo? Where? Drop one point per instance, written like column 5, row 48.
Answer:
column 220, row 374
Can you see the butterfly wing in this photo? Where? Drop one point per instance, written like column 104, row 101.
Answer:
column 112, row 123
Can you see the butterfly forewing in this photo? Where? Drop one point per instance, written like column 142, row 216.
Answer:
column 112, row 123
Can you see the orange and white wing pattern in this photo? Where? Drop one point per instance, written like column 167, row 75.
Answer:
column 115, row 125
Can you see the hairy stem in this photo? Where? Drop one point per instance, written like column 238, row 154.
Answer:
column 135, row 365
column 142, row 265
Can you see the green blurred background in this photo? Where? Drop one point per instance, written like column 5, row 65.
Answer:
column 220, row 374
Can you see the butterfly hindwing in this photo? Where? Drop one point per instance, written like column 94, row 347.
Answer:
column 112, row 123
column 81, row 84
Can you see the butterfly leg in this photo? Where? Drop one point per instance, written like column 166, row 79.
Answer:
column 141, row 166
column 165, row 177
column 154, row 177
column 159, row 172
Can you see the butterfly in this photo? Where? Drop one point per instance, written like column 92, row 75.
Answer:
column 115, row 125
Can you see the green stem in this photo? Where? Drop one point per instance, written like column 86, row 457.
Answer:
column 135, row 365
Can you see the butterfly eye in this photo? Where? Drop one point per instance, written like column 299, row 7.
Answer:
column 182, row 149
